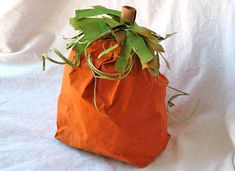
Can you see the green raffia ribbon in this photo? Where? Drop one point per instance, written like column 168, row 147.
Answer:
column 100, row 22
column 170, row 104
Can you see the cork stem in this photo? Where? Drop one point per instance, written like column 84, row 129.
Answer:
column 128, row 14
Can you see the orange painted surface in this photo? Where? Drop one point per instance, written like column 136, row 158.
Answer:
column 131, row 124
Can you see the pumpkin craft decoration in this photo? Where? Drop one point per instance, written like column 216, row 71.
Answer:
column 112, row 99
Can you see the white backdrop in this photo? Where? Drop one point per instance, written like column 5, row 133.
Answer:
column 202, row 58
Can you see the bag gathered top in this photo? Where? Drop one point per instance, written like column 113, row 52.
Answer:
column 112, row 99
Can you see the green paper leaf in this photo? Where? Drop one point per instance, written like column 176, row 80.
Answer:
column 97, row 10
column 142, row 31
column 124, row 55
column 91, row 27
column 88, row 25
column 111, row 22
column 158, row 37
column 141, row 49
column 150, row 37
column 119, row 35
column 107, row 50
column 155, row 45
column 154, row 65
column 167, row 36
column 149, row 34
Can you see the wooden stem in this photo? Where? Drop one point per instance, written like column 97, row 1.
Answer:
column 128, row 14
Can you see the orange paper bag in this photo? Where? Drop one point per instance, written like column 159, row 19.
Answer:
column 130, row 124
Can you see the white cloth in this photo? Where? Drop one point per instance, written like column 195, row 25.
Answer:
column 202, row 58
